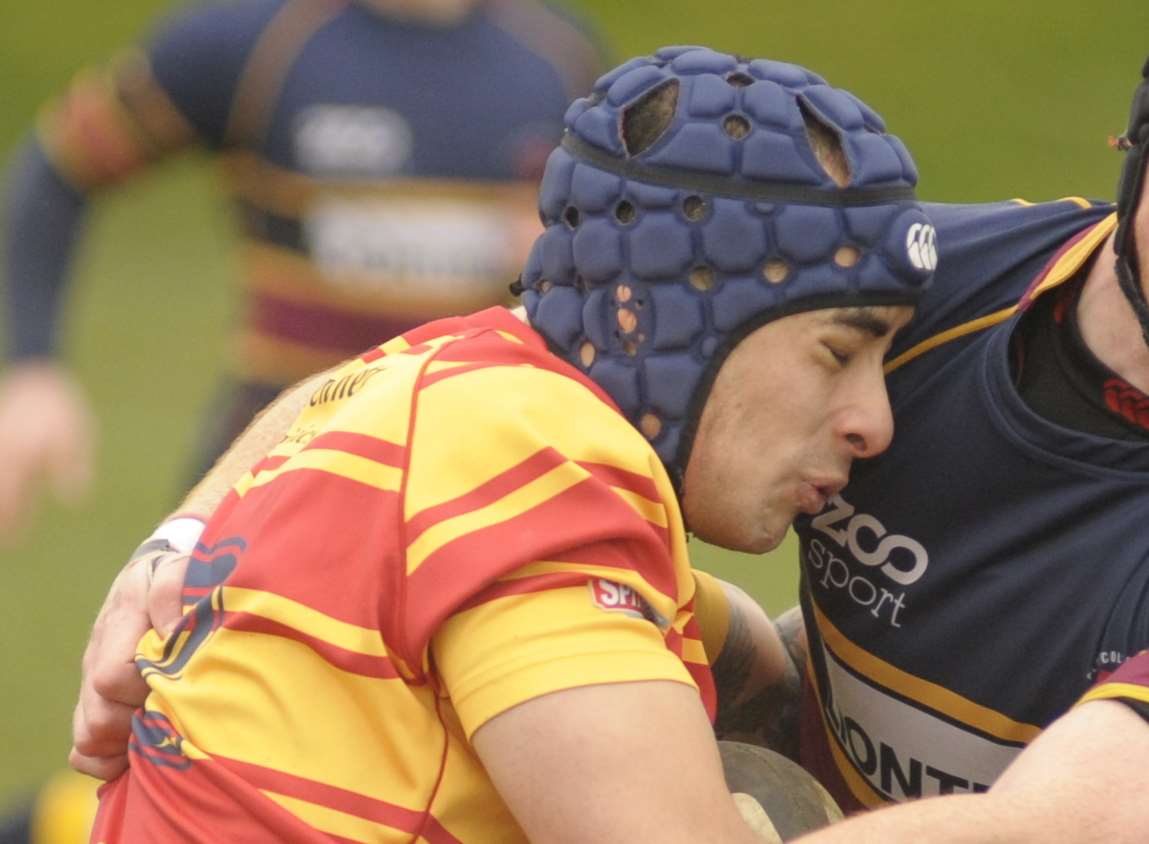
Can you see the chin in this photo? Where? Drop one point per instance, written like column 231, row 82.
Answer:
column 735, row 537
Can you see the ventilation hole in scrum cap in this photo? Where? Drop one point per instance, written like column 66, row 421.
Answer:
column 648, row 118
column 736, row 126
column 739, row 80
column 571, row 217
column 694, row 207
column 775, row 271
column 826, row 145
column 586, row 354
column 702, row 278
column 623, row 293
column 847, row 256
column 580, row 284
column 631, row 346
column 624, row 212
column 544, row 286
column 627, row 320
column 650, row 425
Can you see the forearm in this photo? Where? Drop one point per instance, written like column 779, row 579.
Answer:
column 1083, row 780
column 758, row 682
column 44, row 217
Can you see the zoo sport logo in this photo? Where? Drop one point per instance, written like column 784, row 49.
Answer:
column 890, row 560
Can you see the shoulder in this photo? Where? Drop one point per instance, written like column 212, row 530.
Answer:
column 557, row 36
column 989, row 254
column 224, row 25
column 505, row 387
column 198, row 55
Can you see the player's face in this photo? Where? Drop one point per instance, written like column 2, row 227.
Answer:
column 792, row 406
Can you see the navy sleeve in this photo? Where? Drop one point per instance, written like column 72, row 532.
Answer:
column 43, row 219
column 198, row 57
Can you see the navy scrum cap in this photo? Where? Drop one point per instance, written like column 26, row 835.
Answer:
column 686, row 206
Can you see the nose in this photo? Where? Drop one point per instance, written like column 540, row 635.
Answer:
column 867, row 426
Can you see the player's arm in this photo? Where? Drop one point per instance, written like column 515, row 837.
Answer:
column 109, row 124
column 146, row 595
column 757, row 670
column 612, row 763
column 1084, row 779
column 590, row 727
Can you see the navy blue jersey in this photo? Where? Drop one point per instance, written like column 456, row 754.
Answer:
column 978, row 579
column 383, row 171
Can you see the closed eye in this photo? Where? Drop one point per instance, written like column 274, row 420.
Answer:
column 841, row 357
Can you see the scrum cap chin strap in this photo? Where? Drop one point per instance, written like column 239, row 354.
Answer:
column 1135, row 143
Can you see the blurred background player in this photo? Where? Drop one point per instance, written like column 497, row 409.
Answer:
column 378, row 153
column 692, row 303
column 361, row 209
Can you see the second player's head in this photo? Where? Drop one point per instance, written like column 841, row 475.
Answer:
column 696, row 200
column 1133, row 209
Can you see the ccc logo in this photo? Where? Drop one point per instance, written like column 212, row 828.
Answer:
column 921, row 246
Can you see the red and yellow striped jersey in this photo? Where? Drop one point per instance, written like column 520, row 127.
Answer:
column 458, row 522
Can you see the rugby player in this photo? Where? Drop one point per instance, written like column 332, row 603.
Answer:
column 453, row 600
column 976, row 601
column 336, row 123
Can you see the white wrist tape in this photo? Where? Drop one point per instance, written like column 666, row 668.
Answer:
column 180, row 533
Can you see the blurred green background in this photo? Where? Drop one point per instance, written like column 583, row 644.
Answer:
column 995, row 99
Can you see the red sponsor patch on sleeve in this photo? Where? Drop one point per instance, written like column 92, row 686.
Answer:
column 614, row 597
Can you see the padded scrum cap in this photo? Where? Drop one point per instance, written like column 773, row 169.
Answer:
column 668, row 239
column 794, row 801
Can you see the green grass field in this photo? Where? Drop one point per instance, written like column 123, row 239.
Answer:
column 995, row 99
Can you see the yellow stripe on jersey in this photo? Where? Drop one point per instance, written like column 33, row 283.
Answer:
column 294, row 277
column 916, row 690
column 712, row 610
column 1066, row 266
column 522, row 499
column 305, row 619
column 488, row 665
column 1076, row 256
column 351, row 466
column 941, row 338
column 572, row 420
column 1079, row 201
column 1111, row 691
column 289, row 193
column 652, row 511
column 222, row 708
column 662, row 604
column 863, row 792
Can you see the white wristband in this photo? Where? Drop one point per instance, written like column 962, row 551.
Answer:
column 180, row 533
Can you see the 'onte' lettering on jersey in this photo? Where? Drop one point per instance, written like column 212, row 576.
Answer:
column 897, row 559
column 902, row 748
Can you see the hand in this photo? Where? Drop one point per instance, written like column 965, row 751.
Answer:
column 46, row 434
column 146, row 594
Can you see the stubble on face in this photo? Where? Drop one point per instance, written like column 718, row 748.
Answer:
column 767, row 447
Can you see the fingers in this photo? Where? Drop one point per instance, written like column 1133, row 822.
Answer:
column 46, row 434
column 110, row 686
column 71, row 463
column 165, row 595
column 16, row 488
column 100, row 768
